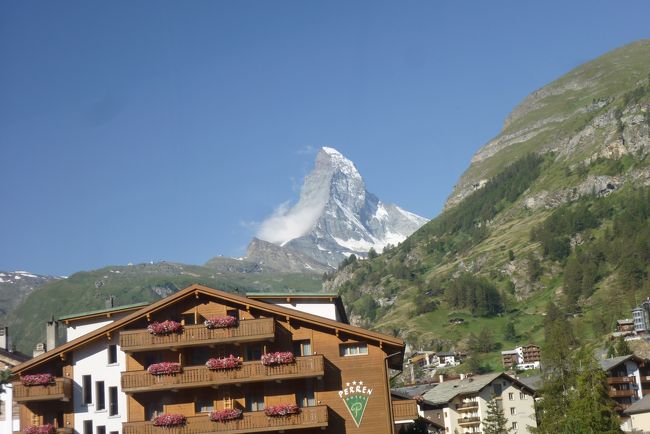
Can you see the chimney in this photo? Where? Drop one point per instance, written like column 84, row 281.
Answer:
column 442, row 378
column 462, row 376
column 110, row 301
column 38, row 349
column 4, row 338
column 51, row 334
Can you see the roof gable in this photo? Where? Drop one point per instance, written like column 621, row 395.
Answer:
column 195, row 291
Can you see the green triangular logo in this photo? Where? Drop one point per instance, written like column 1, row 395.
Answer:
column 356, row 405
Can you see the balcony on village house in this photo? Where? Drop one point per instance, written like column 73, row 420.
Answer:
column 406, row 409
column 621, row 393
column 250, row 422
column 620, row 380
column 60, row 390
column 201, row 376
column 252, row 330
column 472, row 420
column 467, row 405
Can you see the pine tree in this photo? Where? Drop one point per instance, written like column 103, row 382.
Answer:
column 495, row 422
column 590, row 409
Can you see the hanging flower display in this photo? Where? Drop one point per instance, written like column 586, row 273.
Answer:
column 40, row 429
column 221, row 322
column 165, row 327
column 225, row 415
column 278, row 358
column 169, row 420
column 230, row 362
column 282, row 410
column 164, row 368
column 37, row 379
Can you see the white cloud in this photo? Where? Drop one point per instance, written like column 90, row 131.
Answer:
column 306, row 150
column 288, row 223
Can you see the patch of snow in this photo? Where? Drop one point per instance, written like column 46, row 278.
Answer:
column 309, row 267
column 2, row 274
column 413, row 217
column 356, row 245
column 381, row 213
column 2, row 280
column 17, row 277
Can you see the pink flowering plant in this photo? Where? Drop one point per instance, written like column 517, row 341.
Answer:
column 221, row 322
column 165, row 327
column 230, row 362
column 164, row 368
column 281, row 410
column 48, row 428
column 37, row 379
column 168, row 420
column 225, row 415
column 278, row 358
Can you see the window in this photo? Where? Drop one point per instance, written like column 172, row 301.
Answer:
column 188, row 319
column 152, row 409
column 302, row 348
column 496, row 388
column 88, row 427
column 305, row 397
column 203, row 405
column 511, row 396
column 255, row 401
column 151, row 358
column 514, row 425
column 112, row 354
column 2, row 410
column 100, row 399
column 522, row 395
column 358, row 349
column 233, row 313
column 112, row 401
column 87, row 393
column 512, row 410
column 199, row 355
column 253, row 352
column 101, row 430
column 114, row 432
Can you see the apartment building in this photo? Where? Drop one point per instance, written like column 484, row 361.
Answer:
column 523, row 357
column 628, row 379
column 464, row 402
column 210, row 361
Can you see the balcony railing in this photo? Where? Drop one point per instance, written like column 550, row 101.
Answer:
column 620, row 380
column 198, row 335
column 621, row 393
column 466, row 405
column 469, row 420
column 309, row 417
column 406, row 409
column 58, row 431
column 61, row 390
column 200, row 376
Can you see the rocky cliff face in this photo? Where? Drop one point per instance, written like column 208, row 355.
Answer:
column 15, row 286
column 336, row 216
column 593, row 112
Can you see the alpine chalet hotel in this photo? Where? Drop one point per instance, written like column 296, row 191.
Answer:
column 205, row 361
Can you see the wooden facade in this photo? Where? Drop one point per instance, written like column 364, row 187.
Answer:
column 339, row 377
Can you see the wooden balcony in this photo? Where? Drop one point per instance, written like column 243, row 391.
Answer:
column 467, row 405
column 620, row 380
column 61, row 390
column 406, row 409
column 309, row 417
column 251, row 330
column 200, row 376
column 621, row 393
column 475, row 420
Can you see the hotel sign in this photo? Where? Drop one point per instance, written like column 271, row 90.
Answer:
column 355, row 396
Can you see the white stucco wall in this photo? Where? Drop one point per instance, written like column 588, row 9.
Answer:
column 81, row 327
column 326, row 310
column 92, row 359
column 7, row 424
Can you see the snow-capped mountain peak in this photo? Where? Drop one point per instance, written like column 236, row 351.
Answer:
column 336, row 216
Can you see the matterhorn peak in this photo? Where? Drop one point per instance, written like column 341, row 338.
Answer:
column 336, row 216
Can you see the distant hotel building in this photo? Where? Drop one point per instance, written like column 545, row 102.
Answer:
column 524, row 357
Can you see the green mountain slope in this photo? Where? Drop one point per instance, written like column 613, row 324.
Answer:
column 86, row 291
column 532, row 219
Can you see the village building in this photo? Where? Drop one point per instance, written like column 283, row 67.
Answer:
column 462, row 404
column 9, row 358
column 215, row 362
column 523, row 357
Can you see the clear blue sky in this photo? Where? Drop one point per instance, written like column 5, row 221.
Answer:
column 137, row 131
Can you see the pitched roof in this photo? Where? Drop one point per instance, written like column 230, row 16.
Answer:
column 533, row 382
column 641, row 406
column 195, row 290
column 16, row 356
column 448, row 390
column 607, row 364
column 102, row 312
column 412, row 392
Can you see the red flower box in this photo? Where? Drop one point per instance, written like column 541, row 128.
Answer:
column 278, row 358
column 40, row 429
column 230, row 362
column 165, row 327
column 164, row 368
column 221, row 322
column 225, row 415
column 37, row 380
column 282, row 410
column 169, row 420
